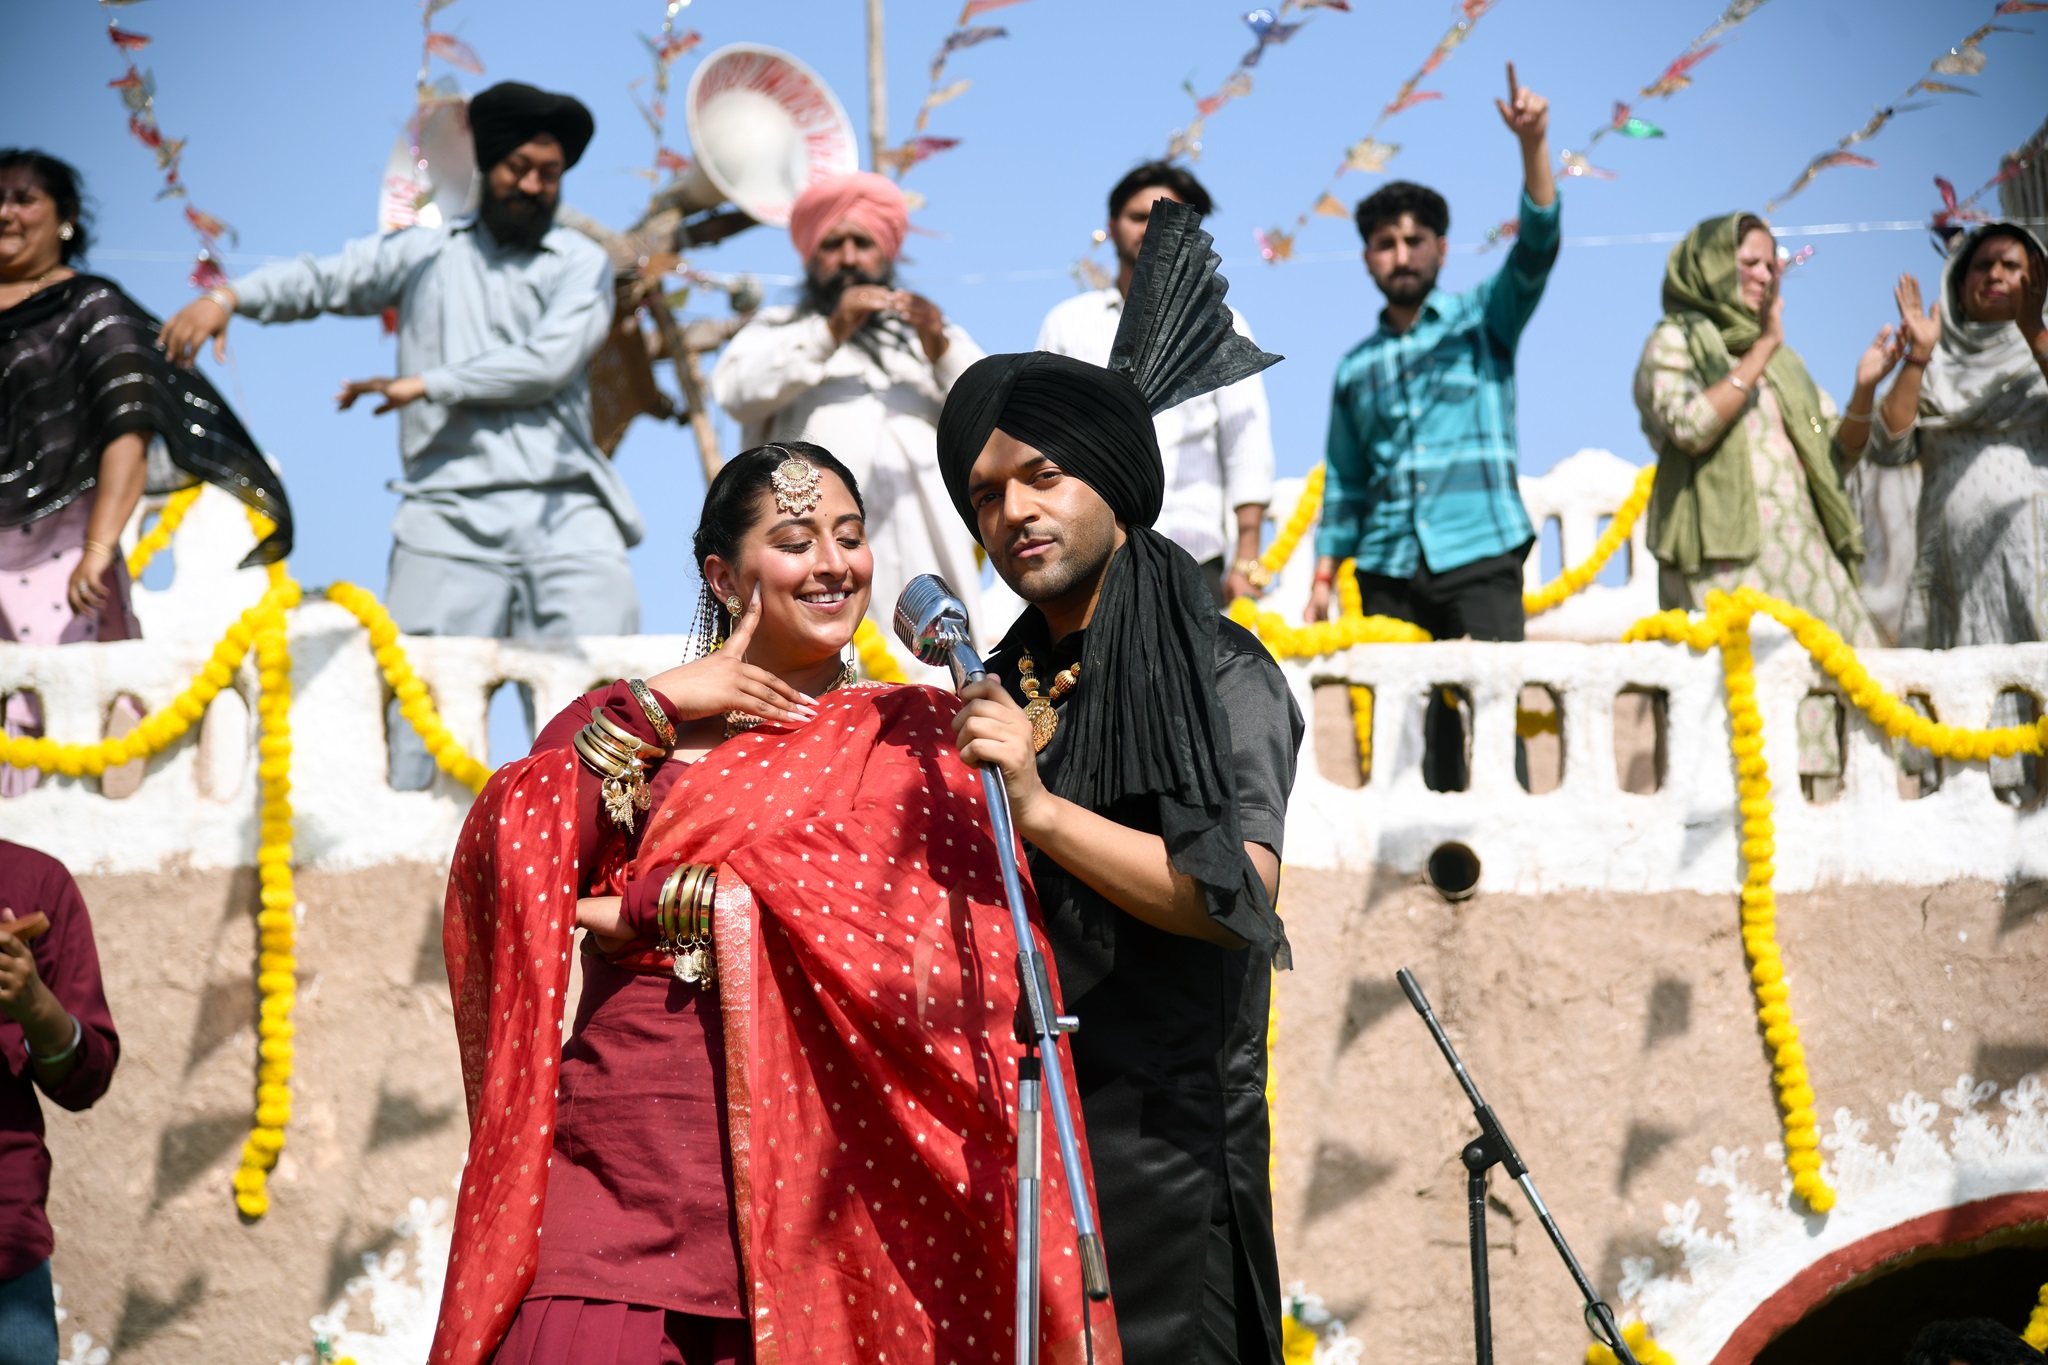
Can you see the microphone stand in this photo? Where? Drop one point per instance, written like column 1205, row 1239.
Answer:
column 1493, row 1148
column 942, row 641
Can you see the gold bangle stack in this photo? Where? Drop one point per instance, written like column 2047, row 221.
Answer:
column 683, row 921
column 620, row 758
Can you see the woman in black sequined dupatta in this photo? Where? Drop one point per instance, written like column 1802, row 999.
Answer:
column 91, row 417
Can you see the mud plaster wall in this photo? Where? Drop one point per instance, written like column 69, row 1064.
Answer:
column 1612, row 1032
column 151, row 1255
column 1614, row 1036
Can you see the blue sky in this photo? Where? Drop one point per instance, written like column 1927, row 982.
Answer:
column 291, row 109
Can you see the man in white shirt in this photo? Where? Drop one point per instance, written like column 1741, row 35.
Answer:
column 862, row 368
column 1218, row 447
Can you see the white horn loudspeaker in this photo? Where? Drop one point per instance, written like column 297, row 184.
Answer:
column 763, row 128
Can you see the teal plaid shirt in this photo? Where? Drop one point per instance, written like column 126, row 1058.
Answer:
column 1421, row 455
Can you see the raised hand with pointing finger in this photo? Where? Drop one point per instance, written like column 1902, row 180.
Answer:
column 1527, row 115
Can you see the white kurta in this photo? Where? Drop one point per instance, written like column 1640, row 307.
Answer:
column 783, row 378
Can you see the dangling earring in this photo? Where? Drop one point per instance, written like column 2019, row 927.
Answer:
column 66, row 233
column 732, row 606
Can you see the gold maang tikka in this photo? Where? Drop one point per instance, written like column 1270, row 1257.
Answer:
column 796, row 484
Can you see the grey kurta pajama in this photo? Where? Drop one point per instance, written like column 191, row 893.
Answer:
column 512, row 523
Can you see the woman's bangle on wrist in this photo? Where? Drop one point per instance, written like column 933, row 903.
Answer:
column 77, row 1037
column 1737, row 383
column 109, row 551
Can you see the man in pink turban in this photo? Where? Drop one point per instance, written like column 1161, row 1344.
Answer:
column 862, row 367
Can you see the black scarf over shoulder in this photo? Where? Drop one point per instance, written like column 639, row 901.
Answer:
column 1148, row 722
column 79, row 367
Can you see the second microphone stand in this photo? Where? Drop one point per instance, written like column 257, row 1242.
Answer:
column 1492, row 1148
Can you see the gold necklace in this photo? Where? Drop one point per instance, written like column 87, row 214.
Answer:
column 35, row 286
column 1039, row 709
column 737, row 721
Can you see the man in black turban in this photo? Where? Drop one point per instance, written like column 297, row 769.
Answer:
column 511, row 523
column 1149, row 745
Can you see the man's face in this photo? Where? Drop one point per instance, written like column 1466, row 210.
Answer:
column 1127, row 229
column 1047, row 533
column 521, row 192
column 1403, row 258
column 847, row 256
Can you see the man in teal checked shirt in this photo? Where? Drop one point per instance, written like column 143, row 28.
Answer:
column 1421, row 461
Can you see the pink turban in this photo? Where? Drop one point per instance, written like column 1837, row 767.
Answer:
column 870, row 200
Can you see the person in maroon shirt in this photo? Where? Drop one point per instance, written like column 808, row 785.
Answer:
column 55, row 1033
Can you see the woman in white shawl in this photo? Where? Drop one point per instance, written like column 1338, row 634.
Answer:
column 1970, row 404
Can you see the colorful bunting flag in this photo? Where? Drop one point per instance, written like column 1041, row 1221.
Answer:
column 976, row 8
column 137, row 90
column 455, row 52
column 1274, row 245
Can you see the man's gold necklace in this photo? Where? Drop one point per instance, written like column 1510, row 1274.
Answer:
column 1039, row 709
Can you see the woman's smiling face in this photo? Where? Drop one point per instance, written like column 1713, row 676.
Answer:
column 814, row 571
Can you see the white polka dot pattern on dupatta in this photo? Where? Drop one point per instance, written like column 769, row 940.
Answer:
column 871, row 1017
column 510, row 918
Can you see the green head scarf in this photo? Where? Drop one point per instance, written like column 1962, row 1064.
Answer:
column 1704, row 506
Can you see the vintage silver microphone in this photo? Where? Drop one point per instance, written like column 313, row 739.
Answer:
column 932, row 623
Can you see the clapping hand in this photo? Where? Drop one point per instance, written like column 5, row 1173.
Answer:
column 1878, row 358
column 1918, row 333
column 725, row 681
column 19, row 982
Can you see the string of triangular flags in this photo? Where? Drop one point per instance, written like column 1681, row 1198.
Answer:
column 1966, row 58
column 1370, row 154
column 1270, row 28
column 662, row 50
column 1676, row 76
column 137, row 88
column 921, row 145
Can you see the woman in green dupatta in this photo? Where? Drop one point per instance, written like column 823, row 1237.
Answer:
column 1750, row 451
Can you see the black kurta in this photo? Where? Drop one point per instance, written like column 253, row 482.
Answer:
column 1170, row 1058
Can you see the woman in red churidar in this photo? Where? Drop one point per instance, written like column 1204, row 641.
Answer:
column 784, row 1135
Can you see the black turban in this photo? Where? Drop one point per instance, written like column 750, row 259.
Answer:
column 509, row 115
column 1149, row 723
column 1092, row 422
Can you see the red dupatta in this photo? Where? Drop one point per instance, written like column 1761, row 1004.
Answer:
column 867, row 986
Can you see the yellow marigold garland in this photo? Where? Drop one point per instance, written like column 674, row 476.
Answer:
column 277, row 918
column 414, row 702
column 1576, row 578
column 1291, row 531
column 159, row 535
column 1641, row 1345
column 1727, row 625
column 876, row 659
column 2037, row 1325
